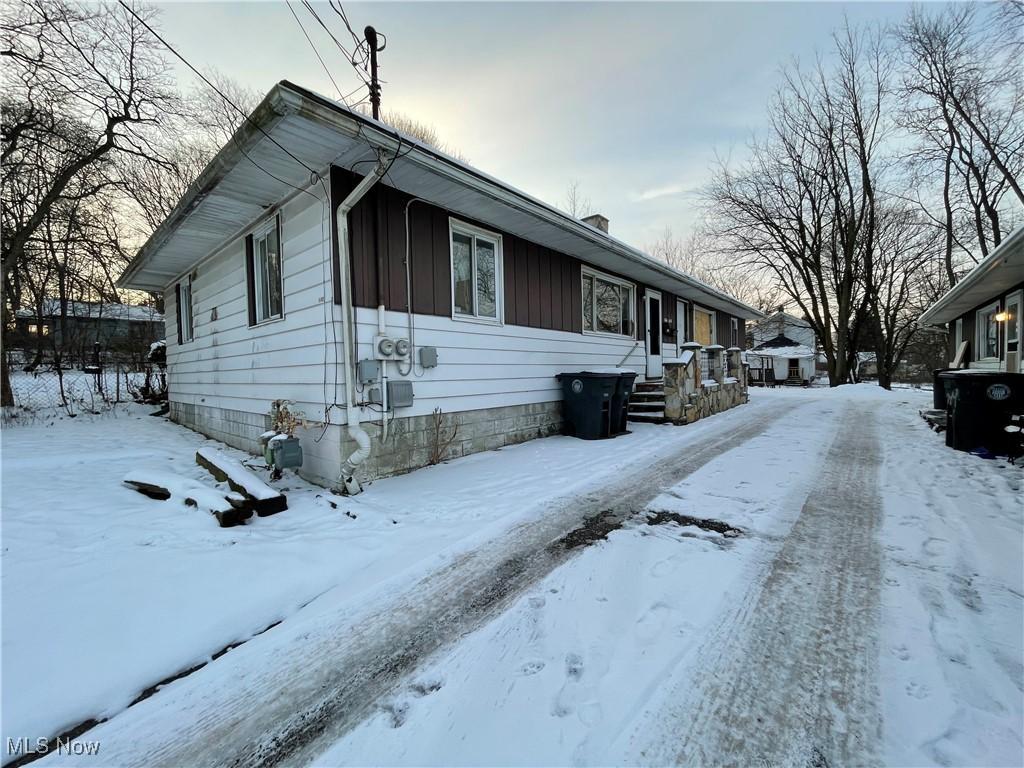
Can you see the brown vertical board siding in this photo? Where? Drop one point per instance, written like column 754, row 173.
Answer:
column 544, row 282
column 724, row 328
column 522, row 293
column 508, row 297
column 421, row 259
column 570, row 286
column 397, row 298
column 555, row 268
column 533, row 279
column 442, row 261
column 576, row 295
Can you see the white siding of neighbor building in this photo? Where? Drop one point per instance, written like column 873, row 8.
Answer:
column 790, row 327
column 231, row 369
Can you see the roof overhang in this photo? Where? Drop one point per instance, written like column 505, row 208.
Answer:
column 252, row 175
column 1000, row 271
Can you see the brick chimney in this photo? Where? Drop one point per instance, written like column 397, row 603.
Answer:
column 597, row 221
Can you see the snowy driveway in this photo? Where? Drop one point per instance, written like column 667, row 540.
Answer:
column 860, row 617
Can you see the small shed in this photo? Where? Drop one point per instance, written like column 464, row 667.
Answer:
column 781, row 361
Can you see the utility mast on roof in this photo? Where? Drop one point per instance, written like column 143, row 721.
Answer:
column 371, row 40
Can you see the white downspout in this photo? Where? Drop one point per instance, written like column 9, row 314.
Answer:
column 356, row 432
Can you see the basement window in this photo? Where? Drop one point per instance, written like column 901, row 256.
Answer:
column 476, row 273
column 608, row 304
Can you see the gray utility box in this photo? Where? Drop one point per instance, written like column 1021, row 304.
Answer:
column 367, row 371
column 284, row 453
column 399, row 394
column 428, row 357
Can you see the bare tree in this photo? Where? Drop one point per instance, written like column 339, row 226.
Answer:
column 964, row 100
column 87, row 86
column 802, row 208
column 418, row 129
column 576, row 205
column 700, row 256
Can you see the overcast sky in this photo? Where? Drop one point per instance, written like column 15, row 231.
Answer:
column 633, row 100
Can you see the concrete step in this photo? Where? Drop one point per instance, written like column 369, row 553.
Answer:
column 654, row 417
column 640, row 397
column 653, row 405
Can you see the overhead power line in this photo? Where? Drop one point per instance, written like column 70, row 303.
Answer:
column 315, row 51
column 239, row 110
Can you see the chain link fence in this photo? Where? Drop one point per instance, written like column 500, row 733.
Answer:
column 74, row 391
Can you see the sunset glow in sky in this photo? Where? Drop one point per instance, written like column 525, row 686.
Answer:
column 633, row 100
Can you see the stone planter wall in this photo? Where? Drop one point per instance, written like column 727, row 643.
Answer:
column 686, row 400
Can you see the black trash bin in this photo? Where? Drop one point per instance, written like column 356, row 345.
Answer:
column 620, row 401
column 980, row 404
column 587, row 403
column 938, row 389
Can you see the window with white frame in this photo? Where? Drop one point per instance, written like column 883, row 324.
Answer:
column 608, row 304
column 476, row 273
column 734, row 332
column 266, row 299
column 987, row 333
column 185, row 324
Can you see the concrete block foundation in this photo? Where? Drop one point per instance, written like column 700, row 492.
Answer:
column 411, row 441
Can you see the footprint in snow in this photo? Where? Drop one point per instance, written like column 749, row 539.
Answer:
column 537, row 602
column 918, row 690
column 397, row 712
column 423, row 688
column 891, row 582
column 531, row 668
column 573, row 666
column 901, row 652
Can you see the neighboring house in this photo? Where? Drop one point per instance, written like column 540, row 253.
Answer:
column 781, row 360
column 117, row 328
column 434, row 301
column 782, row 324
column 982, row 312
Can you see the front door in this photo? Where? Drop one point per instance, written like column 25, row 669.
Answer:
column 653, row 335
column 703, row 327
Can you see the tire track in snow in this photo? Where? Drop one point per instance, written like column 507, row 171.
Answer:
column 790, row 676
column 287, row 708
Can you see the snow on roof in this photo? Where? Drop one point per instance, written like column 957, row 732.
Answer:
column 93, row 309
column 782, row 346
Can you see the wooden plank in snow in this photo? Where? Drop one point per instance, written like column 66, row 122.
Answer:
column 260, row 496
column 229, row 510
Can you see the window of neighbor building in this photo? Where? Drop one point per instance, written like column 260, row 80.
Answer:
column 184, row 299
column 608, row 304
column 267, row 297
column 476, row 273
column 988, row 332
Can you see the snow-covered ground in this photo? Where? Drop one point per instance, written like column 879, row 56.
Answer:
column 870, row 609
